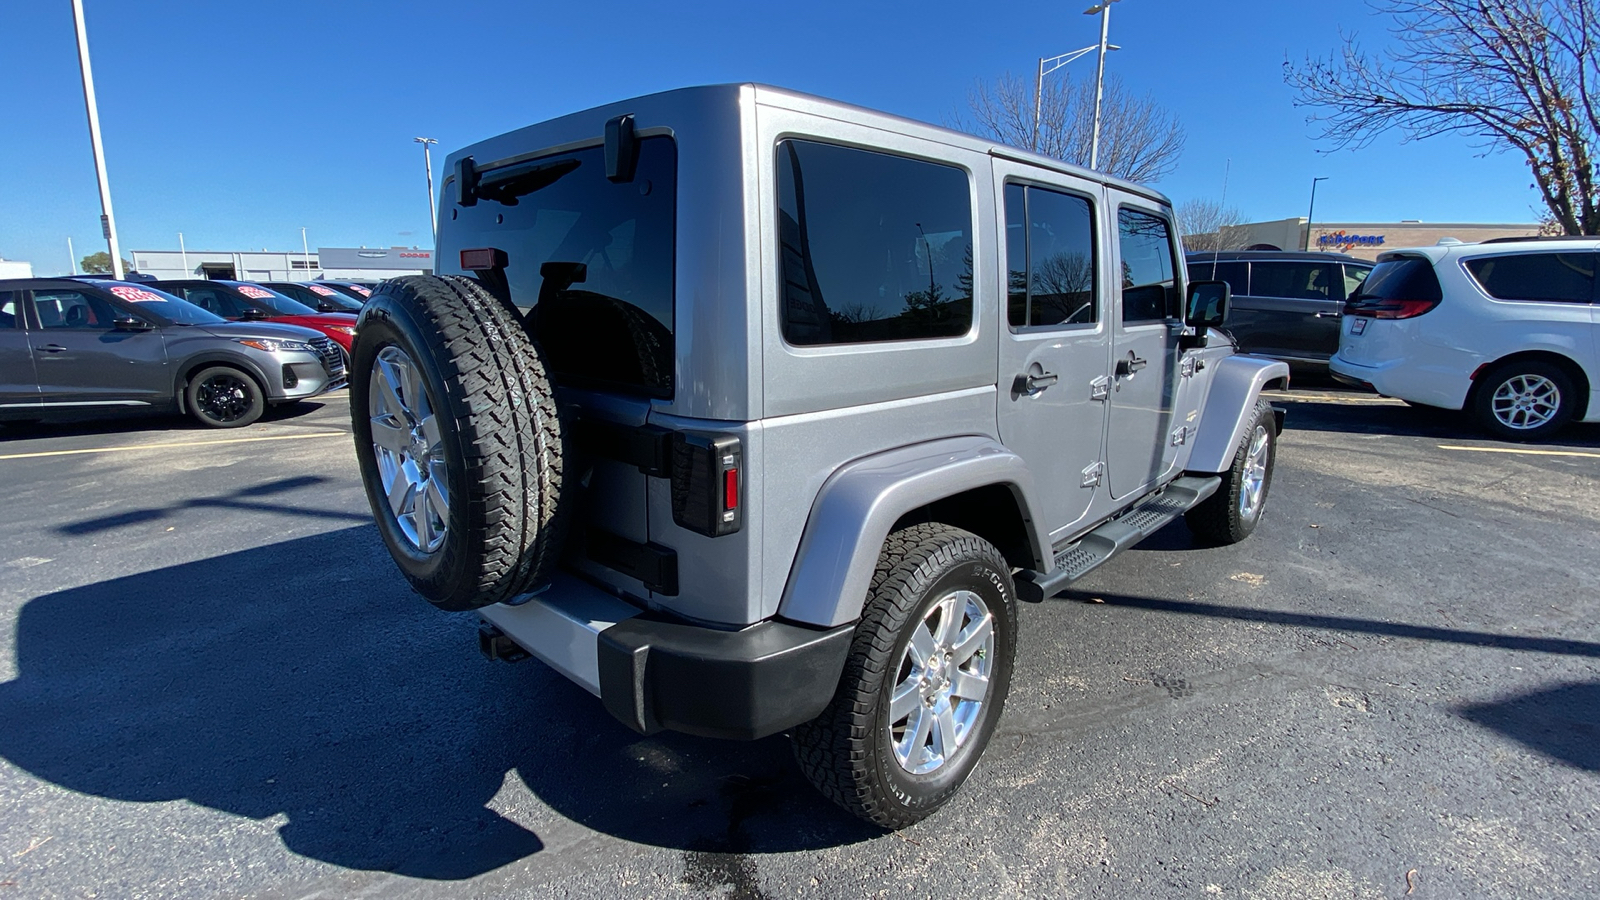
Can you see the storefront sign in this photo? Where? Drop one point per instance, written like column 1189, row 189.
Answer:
column 1345, row 242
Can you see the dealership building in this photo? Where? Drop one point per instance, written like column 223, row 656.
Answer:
column 1362, row 239
column 340, row 263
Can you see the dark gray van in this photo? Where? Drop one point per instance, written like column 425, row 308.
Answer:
column 1285, row 304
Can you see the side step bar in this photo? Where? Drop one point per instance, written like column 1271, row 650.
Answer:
column 1087, row 553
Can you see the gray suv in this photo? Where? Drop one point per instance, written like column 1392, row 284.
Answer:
column 752, row 412
column 70, row 346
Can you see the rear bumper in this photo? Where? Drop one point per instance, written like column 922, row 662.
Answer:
column 1444, row 386
column 654, row 675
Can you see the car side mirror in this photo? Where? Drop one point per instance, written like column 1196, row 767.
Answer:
column 1207, row 305
column 130, row 323
column 252, row 314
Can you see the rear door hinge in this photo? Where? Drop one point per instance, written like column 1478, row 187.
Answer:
column 1092, row 475
column 1188, row 367
column 1180, row 435
column 1100, row 388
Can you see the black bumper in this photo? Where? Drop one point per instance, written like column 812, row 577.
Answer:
column 730, row 684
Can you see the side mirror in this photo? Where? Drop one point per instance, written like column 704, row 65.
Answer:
column 130, row 323
column 1207, row 305
column 252, row 314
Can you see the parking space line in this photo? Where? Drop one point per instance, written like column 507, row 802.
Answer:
column 171, row 444
column 1524, row 452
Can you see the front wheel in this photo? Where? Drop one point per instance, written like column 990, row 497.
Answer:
column 1232, row 513
column 224, row 397
column 924, row 683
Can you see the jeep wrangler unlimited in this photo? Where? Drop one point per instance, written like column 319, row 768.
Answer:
column 752, row 412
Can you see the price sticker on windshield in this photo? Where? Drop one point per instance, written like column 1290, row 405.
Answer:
column 136, row 295
column 360, row 290
column 325, row 292
column 1358, row 325
column 255, row 293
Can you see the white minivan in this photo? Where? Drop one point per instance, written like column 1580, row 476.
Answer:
column 1508, row 330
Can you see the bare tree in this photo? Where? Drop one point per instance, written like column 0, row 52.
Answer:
column 1139, row 140
column 1208, row 225
column 1520, row 75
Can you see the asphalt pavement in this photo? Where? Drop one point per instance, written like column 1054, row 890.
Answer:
column 214, row 683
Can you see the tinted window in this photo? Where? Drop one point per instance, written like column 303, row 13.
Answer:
column 72, row 309
column 147, row 299
column 1354, row 277
column 1403, row 278
column 1236, row 274
column 272, row 301
column 874, row 247
column 593, row 258
column 1149, row 288
column 213, row 299
column 1050, row 262
column 1550, row 277
column 8, row 309
column 1293, row 280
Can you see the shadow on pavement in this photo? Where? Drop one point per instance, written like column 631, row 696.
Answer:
column 1561, row 722
column 136, row 422
column 246, row 499
column 1410, row 421
column 305, row 679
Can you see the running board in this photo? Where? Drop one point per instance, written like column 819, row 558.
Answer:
column 1083, row 556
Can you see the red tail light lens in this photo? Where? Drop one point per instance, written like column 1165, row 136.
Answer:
column 1390, row 309
column 730, row 491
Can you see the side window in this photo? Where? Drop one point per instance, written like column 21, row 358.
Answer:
column 1547, row 277
column 873, row 247
column 1149, row 288
column 1354, row 278
column 1293, row 280
column 72, row 309
column 1236, row 274
column 1049, row 258
column 9, row 311
column 212, row 300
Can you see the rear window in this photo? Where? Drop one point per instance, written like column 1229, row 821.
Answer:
column 594, row 262
column 874, row 247
column 1539, row 277
column 1403, row 278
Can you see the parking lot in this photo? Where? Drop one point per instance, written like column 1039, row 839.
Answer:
column 214, row 683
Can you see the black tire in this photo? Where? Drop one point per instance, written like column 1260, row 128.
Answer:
column 224, row 397
column 1483, row 403
column 1223, row 518
column 847, row 752
column 499, row 431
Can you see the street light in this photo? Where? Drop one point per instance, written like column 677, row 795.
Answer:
column 1103, row 9
column 1312, row 211
column 1048, row 64
column 427, row 161
column 305, row 253
column 108, row 225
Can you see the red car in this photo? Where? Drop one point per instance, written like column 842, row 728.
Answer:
column 243, row 301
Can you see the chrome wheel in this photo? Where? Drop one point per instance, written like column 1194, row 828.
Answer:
column 405, row 442
column 224, row 398
column 942, row 682
column 1255, row 474
column 1525, row 402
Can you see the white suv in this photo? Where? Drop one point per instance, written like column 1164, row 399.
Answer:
column 1508, row 330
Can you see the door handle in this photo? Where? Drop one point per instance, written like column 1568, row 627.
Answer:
column 1033, row 382
column 1127, row 367
column 53, row 348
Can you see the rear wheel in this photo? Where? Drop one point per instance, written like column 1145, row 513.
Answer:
column 925, row 681
column 224, row 397
column 1232, row 513
column 1524, row 401
column 459, row 441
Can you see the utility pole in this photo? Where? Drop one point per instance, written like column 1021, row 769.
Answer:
column 108, row 224
column 184, row 252
column 1312, row 211
column 1104, row 10
column 305, row 250
column 427, row 162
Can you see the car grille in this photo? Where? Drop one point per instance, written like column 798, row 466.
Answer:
column 332, row 356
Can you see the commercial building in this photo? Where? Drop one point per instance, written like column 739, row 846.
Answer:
column 1362, row 239
column 11, row 268
column 356, row 263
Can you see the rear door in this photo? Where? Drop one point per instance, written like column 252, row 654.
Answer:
column 82, row 359
column 1145, row 369
column 19, row 386
column 1055, row 352
column 1292, row 309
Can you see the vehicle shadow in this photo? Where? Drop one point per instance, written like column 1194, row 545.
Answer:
column 247, row 499
column 305, row 680
column 1559, row 722
column 135, row 422
column 1410, row 421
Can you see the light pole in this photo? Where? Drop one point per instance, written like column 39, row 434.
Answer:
column 1048, row 64
column 427, row 162
column 108, row 224
column 1102, row 8
column 184, row 253
column 1312, row 211
column 305, row 250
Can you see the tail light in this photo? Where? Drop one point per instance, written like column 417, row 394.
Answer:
column 1390, row 309
column 707, row 483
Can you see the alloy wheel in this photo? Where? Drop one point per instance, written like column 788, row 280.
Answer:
column 943, row 679
column 224, row 398
column 1255, row 474
column 406, row 444
column 1525, row 402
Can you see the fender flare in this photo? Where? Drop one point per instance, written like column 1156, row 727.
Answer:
column 861, row 501
column 1236, row 385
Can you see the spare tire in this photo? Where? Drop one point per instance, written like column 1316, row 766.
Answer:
column 459, row 440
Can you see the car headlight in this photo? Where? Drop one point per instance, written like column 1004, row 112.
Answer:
column 275, row 345
column 343, row 329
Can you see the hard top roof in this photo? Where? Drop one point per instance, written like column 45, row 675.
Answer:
column 1275, row 255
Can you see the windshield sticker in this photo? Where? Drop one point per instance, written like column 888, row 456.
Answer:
column 319, row 289
column 360, row 290
column 255, row 293
column 136, row 295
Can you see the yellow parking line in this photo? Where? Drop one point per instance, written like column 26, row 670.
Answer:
column 245, row 440
column 1525, row 452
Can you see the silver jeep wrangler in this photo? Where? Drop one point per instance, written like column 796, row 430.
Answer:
column 753, row 412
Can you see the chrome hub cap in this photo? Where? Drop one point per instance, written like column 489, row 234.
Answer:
column 1525, row 402
column 1255, row 474
column 405, row 443
column 942, row 681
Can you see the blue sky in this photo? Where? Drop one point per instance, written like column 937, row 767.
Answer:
column 237, row 124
